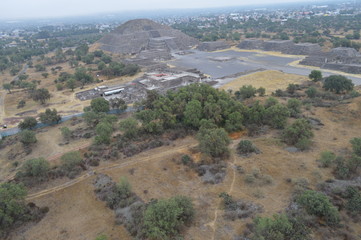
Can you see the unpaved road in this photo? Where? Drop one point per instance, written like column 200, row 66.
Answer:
column 134, row 160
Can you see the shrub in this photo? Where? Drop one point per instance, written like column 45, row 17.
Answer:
column 300, row 129
column 279, row 227
column 12, row 202
column 99, row 105
column 338, row 84
column 21, row 103
column 271, row 101
column 315, row 75
column 214, row 142
column 71, row 160
column 311, row 92
column 28, row 123
column 294, row 106
column 261, row 91
column 276, row 116
column 326, row 159
column 303, row 144
column 27, row 137
column 246, row 147
column 66, row 133
column 353, row 205
column 50, row 116
column 36, row 168
column 104, row 131
column 163, row 219
column 316, row 203
column 356, row 146
column 130, row 128
column 246, row 91
column 291, row 89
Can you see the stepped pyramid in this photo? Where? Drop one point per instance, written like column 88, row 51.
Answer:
column 147, row 39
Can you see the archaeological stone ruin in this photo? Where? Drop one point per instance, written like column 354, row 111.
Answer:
column 147, row 40
column 213, row 46
column 340, row 59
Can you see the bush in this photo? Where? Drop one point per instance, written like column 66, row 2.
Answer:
column 100, row 105
column 71, row 160
column 27, row 137
column 246, row 147
column 326, row 159
column 28, row 123
column 276, row 116
column 214, row 142
column 318, row 204
column 36, row 168
column 261, row 91
column 246, row 91
column 353, row 205
column 21, row 104
column 291, row 89
column 130, row 128
column 66, row 133
column 338, row 84
column 12, row 202
column 279, row 227
column 104, row 131
column 356, row 146
column 311, row 92
column 163, row 219
column 315, row 75
column 294, row 106
column 271, row 101
column 299, row 130
column 50, row 116
column 303, row 144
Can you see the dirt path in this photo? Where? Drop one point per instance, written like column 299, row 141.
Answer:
column 213, row 224
column 90, row 173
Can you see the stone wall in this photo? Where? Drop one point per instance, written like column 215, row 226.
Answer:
column 213, row 46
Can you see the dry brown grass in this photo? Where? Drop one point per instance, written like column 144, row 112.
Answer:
column 271, row 80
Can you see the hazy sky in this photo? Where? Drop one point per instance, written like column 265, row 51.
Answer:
column 53, row 8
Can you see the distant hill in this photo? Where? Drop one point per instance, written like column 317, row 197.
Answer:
column 143, row 34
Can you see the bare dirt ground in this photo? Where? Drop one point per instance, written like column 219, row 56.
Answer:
column 76, row 214
column 271, row 80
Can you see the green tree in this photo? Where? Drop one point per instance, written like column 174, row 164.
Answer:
column 261, row 91
column 104, row 130
column 300, row 129
column 270, row 102
column 338, row 84
column 279, row 227
column 130, row 128
column 41, row 95
column 234, row 122
column 99, row 105
column 27, row 137
column 45, row 75
column 163, row 219
column 316, row 203
column 294, row 107
column 36, row 168
column 7, row 86
column 291, row 89
column 71, row 160
column 311, row 92
column 50, row 116
column 12, row 205
column 71, row 84
column 82, row 76
column 193, row 113
column 356, row 146
column 66, row 133
column 276, row 116
column 315, row 75
column 246, row 91
column 28, row 123
column 214, row 142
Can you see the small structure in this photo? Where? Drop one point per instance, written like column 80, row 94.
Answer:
column 278, row 45
column 304, row 49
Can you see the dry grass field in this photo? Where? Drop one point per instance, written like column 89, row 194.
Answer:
column 271, row 80
column 76, row 214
